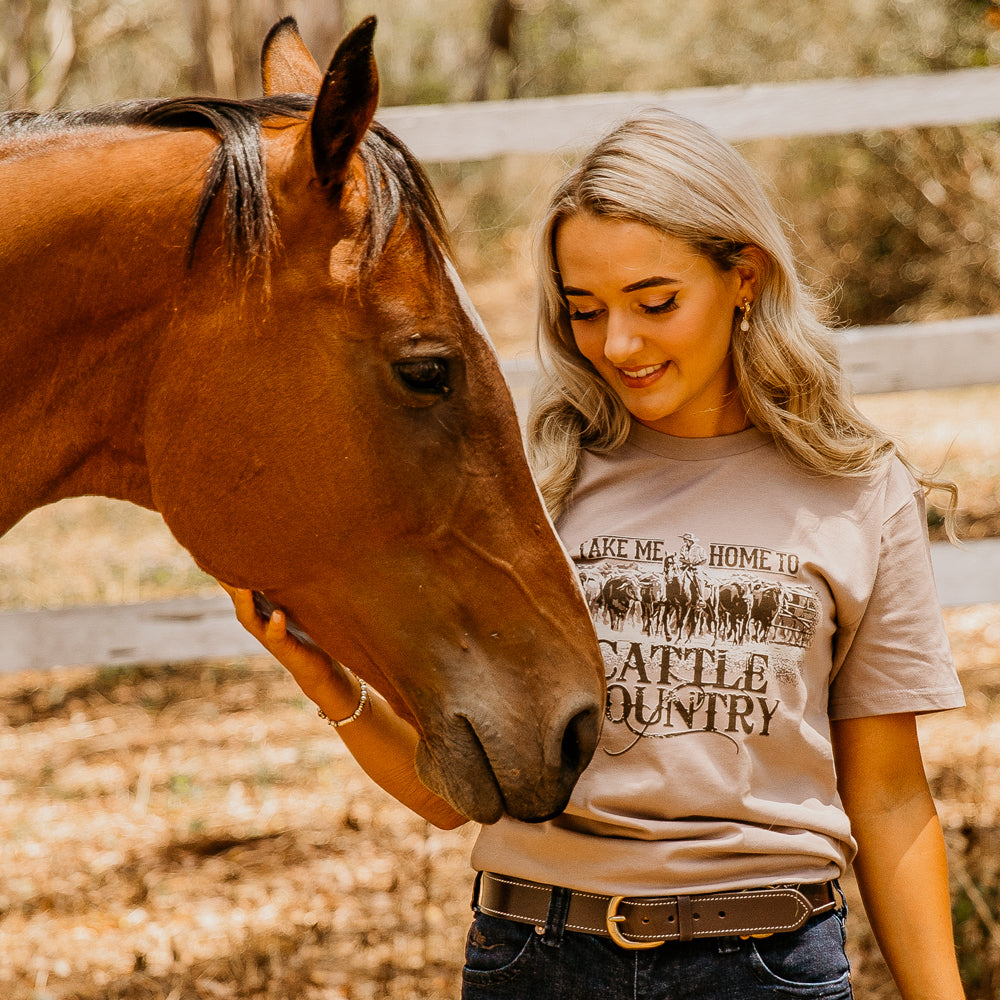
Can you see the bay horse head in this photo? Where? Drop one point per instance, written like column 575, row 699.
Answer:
column 301, row 387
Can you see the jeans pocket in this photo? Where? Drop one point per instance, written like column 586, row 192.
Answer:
column 809, row 963
column 496, row 949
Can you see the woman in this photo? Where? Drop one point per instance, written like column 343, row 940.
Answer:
column 756, row 559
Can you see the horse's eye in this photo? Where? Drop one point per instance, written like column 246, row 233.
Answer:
column 425, row 375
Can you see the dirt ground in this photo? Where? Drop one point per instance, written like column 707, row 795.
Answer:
column 194, row 832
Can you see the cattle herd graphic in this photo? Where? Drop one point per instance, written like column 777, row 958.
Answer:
column 696, row 637
column 684, row 597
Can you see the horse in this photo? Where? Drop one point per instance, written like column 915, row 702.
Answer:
column 681, row 596
column 243, row 315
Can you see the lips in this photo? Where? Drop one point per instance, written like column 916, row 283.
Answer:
column 638, row 378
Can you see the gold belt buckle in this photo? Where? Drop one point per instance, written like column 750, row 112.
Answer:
column 613, row 918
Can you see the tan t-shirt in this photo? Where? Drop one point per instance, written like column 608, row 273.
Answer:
column 741, row 603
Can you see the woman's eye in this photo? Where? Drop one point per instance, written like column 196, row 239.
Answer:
column 662, row 307
column 425, row 375
column 583, row 315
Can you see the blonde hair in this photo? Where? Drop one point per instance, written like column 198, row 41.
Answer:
column 675, row 175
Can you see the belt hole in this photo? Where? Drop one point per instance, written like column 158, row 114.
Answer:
column 671, row 919
column 722, row 914
column 645, row 920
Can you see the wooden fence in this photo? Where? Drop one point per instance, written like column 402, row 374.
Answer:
column 450, row 132
column 881, row 359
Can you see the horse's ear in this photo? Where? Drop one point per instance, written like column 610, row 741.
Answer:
column 286, row 66
column 345, row 106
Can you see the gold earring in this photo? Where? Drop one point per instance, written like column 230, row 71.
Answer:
column 745, row 322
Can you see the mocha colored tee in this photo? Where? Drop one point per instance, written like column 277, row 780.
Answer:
column 741, row 604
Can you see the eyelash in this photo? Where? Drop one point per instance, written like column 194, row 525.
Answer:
column 580, row 316
column 663, row 307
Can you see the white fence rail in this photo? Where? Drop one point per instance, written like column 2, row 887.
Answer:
column 883, row 359
column 449, row 132
column 942, row 355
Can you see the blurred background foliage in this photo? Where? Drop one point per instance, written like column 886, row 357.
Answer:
column 894, row 226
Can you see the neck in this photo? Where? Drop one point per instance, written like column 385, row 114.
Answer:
column 90, row 262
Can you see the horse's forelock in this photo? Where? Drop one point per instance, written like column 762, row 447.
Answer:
column 398, row 185
column 237, row 167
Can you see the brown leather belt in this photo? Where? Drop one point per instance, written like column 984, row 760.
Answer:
column 649, row 921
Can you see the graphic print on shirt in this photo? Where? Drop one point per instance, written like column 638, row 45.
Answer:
column 701, row 638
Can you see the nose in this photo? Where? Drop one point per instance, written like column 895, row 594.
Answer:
column 622, row 341
column 567, row 749
column 577, row 742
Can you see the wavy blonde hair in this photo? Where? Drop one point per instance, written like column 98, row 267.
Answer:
column 675, row 175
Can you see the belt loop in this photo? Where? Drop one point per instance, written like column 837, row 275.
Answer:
column 839, row 892
column 555, row 923
column 685, row 924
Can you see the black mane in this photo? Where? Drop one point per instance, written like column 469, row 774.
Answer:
column 397, row 185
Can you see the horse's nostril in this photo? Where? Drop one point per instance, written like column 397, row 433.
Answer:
column 578, row 741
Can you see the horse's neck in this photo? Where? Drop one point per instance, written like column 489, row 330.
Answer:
column 71, row 425
column 94, row 230
column 85, row 279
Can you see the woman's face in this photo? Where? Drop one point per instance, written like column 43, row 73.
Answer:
column 655, row 319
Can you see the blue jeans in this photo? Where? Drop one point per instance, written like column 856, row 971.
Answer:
column 513, row 961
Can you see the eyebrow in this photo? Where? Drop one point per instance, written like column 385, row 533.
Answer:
column 653, row 282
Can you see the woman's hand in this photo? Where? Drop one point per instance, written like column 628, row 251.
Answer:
column 321, row 678
column 378, row 739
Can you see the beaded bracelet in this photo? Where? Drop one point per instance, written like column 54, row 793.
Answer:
column 362, row 701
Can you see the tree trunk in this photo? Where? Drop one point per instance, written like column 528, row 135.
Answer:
column 500, row 38
column 199, row 70
column 322, row 27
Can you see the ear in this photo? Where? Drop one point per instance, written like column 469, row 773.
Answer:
column 345, row 106
column 753, row 267
column 286, row 67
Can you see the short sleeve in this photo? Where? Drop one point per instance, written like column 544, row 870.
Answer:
column 897, row 657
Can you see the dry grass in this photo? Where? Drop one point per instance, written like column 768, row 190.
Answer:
column 954, row 431
column 196, row 832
